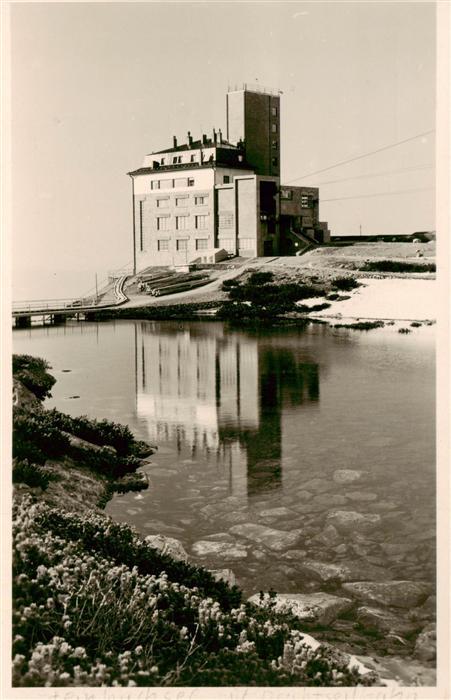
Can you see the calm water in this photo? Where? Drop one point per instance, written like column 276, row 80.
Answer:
column 250, row 421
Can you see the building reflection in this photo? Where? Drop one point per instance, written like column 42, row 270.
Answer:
column 223, row 394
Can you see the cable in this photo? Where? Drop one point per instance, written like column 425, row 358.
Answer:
column 377, row 194
column 364, row 155
column 386, row 172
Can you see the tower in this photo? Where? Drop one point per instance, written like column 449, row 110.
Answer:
column 254, row 117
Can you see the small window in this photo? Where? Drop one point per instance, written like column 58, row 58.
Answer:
column 182, row 244
column 286, row 194
column 165, row 184
column 274, row 128
column 226, row 179
column 193, row 159
column 274, row 111
column 190, row 182
column 162, row 203
column 162, row 223
column 246, row 243
column 275, row 162
column 304, row 200
column 275, row 144
column 181, row 222
column 163, row 244
column 201, row 221
column 202, row 199
column 155, row 185
column 201, row 243
column 162, row 161
column 225, row 220
column 181, row 201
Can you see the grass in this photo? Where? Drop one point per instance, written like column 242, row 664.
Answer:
column 397, row 266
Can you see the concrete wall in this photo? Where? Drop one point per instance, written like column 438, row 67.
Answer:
column 247, row 229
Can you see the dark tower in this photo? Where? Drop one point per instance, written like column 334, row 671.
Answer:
column 254, row 117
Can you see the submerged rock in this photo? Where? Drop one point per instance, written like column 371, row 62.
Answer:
column 321, row 608
column 281, row 512
column 167, row 545
column 397, row 594
column 277, row 540
column 225, row 550
column 351, row 520
column 361, row 496
column 317, row 485
column 347, row 476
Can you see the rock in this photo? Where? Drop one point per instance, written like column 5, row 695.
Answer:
column 276, row 540
column 219, row 537
column 350, row 520
column 341, row 549
column 317, row 485
column 304, row 495
column 397, row 594
column 361, row 496
column 347, row 476
column 225, row 550
column 259, row 555
column 426, row 644
column 383, row 621
column 281, row 512
column 167, row 545
column 321, row 608
column 329, row 499
column 397, row 549
column 295, row 554
column 322, row 571
column 235, row 517
column 226, row 575
column 329, row 536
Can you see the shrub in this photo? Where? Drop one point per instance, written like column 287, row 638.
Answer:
column 35, row 436
column 397, row 266
column 404, row 330
column 83, row 619
column 103, row 432
column 32, row 372
column 345, row 284
column 361, row 325
column 257, row 278
column 31, row 474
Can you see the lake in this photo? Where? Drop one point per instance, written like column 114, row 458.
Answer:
column 254, row 428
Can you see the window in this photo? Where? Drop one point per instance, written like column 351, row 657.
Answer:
column 163, row 244
column 304, row 200
column 162, row 161
column 181, row 222
column 162, row 223
column 226, row 179
column 275, row 144
column 162, row 203
column 201, row 243
column 166, row 184
column 202, row 199
column 274, row 111
column 225, row 220
column 192, row 159
column 181, row 201
column 141, row 242
column 228, row 244
column 155, row 185
column 201, row 221
column 274, row 128
column 275, row 162
column 177, row 159
column 286, row 194
column 182, row 244
column 190, row 182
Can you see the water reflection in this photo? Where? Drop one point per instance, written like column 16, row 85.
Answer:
column 221, row 394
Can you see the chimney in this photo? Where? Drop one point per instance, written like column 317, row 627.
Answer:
column 204, row 139
column 190, row 139
column 220, row 136
column 215, row 137
column 174, row 139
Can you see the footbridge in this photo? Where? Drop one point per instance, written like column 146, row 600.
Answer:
column 58, row 310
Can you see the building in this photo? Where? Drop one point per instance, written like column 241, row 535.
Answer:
column 207, row 199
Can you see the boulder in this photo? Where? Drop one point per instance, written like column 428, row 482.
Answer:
column 320, row 608
column 225, row 550
column 280, row 512
column 276, row 540
column 295, row 555
column 167, row 545
column 329, row 536
column 397, row 594
column 226, row 575
column 322, row 571
column 426, row 644
column 345, row 520
column 347, row 476
column 383, row 621
column 219, row 537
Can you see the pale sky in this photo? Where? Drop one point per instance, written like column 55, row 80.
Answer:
column 96, row 86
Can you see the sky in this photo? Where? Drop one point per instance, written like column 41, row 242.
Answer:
column 97, row 86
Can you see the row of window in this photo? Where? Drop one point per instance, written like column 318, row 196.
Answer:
column 170, row 183
column 182, row 201
column 182, row 222
column 182, row 244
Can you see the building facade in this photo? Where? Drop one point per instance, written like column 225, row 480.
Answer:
column 202, row 201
